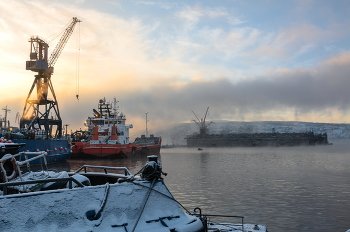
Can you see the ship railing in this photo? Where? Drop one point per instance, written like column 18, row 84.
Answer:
column 105, row 169
column 40, row 154
column 18, row 164
column 4, row 186
column 205, row 218
column 208, row 216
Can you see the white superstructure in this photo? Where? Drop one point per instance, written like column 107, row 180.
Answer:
column 108, row 125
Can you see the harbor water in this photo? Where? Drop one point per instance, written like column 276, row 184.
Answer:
column 284, row 188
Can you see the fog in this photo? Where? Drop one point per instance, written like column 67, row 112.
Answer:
column 290, row 95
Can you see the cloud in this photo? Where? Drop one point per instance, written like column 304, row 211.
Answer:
column 289, row 43
column 340, row 60
column 194, row 14
column 306, row 91
column 237, row 71
column 305, row 94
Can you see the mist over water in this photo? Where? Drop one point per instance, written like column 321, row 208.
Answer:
column 285, row 188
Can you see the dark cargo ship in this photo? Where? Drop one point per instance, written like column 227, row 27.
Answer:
column 274, row 139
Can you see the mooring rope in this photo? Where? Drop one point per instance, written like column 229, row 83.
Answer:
column 170, row 197
column 102, row 204
column 144, row 204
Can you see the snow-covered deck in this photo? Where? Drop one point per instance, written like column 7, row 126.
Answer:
column 120, row 205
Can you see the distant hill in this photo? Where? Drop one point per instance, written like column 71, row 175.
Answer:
column 175, row 135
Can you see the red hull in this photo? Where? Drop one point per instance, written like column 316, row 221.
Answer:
column 85, row 149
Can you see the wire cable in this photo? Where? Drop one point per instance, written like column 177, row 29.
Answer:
column 77, row 64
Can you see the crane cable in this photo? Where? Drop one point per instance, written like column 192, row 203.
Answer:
column 55, row 35
column 77, row 64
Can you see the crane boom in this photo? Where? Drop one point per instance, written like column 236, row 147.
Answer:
column 203, row 127
column 196, row 116
column 59, row 47
column 206, row 114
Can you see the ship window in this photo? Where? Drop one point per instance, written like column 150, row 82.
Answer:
column 98, row 122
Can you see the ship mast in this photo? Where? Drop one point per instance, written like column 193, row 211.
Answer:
column 115, row 107
column 146, row 125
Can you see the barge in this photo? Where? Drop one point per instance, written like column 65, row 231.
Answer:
column 273, row 139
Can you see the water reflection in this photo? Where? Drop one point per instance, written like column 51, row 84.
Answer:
column 288, row 189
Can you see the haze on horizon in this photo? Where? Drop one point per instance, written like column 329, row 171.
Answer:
column 247, row 60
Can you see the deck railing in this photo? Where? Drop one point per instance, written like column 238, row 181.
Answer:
column 105, row 168
column 18, row 183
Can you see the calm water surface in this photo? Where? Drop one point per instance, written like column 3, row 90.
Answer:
column 287, row 189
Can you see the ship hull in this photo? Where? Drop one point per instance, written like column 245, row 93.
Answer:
column 10, row 148
column 57, row 150
column 85, row 150
column 258, row 140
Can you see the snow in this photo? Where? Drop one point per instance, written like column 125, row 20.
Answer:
column 65, row 209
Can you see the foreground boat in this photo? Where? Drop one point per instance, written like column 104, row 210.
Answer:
column 108, row 136
column 101, row 201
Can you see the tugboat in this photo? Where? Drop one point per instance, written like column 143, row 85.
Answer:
column 108, row 136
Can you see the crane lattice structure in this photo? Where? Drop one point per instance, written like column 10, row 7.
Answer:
column 6, row 123
column 203, row 127
column 42, row 113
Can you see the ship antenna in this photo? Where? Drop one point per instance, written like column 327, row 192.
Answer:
column 146, row 125
column 115, row 106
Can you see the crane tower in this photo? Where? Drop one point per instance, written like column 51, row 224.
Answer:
column 40, row 112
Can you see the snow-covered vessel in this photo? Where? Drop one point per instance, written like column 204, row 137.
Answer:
column 108, row 136
column 101, row 201
column 8, row 147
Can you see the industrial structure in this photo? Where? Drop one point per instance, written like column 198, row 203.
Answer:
column 41, row 112
column 203, row 127
column 204, row 139
column 4, row 123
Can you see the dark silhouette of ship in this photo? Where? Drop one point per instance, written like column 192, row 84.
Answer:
column 273, row 139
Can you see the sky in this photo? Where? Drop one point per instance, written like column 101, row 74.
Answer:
column 251, row 60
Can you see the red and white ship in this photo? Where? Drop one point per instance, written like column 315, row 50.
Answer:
column 108, row 136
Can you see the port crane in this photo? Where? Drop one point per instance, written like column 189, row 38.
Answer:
column 6, row 123
column 42, row 113
column 203, row 127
